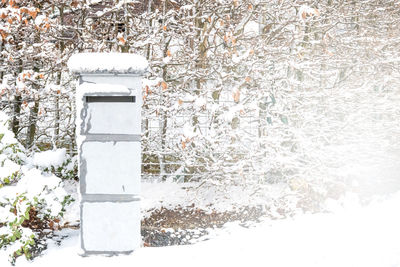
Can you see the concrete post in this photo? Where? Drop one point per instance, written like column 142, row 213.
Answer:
column 109, row 100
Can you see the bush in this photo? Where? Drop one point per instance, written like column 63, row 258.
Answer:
column 30, row 199
column 56, row 161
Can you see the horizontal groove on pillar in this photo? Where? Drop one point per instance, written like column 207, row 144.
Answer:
column 112, row 137
column 109, row 198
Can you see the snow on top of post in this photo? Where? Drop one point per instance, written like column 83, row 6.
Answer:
column 102, row 88
column 117, row 63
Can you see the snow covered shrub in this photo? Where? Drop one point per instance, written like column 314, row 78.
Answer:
column 57, row 162
column 11, row 154
column 29, row 199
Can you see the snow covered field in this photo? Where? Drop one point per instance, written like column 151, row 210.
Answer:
column 349, row 236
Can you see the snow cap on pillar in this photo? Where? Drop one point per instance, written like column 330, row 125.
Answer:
column 116, row 63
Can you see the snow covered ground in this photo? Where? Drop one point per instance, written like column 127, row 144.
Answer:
column 350, row 236
column 208, row 197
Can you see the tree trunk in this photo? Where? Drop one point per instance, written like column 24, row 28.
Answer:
column 32, row 127
column 15, row 125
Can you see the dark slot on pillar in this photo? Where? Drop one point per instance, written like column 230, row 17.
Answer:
column 110, row 99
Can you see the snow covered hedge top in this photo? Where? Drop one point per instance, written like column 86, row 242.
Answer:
column 107, row 63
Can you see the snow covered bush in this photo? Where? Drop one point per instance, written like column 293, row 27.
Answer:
column 57, row 162
column 259, row 98
column 30, row 199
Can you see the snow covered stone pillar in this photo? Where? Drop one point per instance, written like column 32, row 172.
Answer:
column 109, row 101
